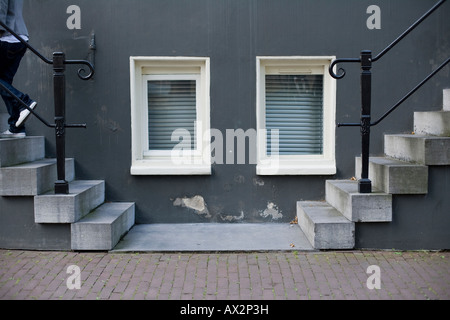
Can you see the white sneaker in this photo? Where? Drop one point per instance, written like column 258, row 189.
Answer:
column 24, row 114
column 9, row 134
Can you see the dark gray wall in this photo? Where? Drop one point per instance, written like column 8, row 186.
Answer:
column 232, row 33
column 418, row 221
column 18, row 230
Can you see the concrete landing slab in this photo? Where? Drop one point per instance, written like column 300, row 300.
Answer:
column 214, row 237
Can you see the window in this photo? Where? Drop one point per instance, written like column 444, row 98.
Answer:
column 170, row 116
column 296, row 100
column 172, row 106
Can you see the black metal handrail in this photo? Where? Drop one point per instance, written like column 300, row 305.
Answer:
column 59, row 84
column 395, row 106
column 366, row 60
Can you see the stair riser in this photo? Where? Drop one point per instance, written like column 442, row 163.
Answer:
column 395, row 179
column 17, row 151
column 418, row 149
column 432, row 123
column 334, row 237
column 84, row 196
column 90, row 234
column 372, row 207
column 32, row 179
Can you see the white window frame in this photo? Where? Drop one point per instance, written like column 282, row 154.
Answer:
column 324, row 164
column 149, row 154
column 175, row 162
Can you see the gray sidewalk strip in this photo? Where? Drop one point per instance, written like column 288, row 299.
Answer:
column 269, row 275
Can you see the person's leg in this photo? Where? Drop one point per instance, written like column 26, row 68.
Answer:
column 13, row 106
column 11, row 54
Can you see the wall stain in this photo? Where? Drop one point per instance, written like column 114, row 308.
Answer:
column 231, row 218
column 105, row 123
column 258, row 182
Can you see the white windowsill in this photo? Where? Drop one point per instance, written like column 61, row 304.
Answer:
column 318, row 168
column 148, row 167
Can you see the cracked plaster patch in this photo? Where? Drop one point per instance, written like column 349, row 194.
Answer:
column 271, row 210
column 196, row 203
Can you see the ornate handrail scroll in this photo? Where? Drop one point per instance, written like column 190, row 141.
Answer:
column 342, row 70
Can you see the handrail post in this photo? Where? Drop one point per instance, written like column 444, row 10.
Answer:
column 364, row 184
column 59, row 85
column 366, row 60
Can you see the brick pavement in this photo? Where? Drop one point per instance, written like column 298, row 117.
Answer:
column 31, row 275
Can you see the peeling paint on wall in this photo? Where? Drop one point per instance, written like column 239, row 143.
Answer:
column 271, row 210
column 231, row 218
column 196, row 203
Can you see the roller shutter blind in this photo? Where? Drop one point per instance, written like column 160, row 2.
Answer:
column 171, row 106
column 294, row 106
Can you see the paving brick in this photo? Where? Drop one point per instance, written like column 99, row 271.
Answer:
column 225, row 276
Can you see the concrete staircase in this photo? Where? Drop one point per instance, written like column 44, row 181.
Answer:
column 94, row 224
column 403, row 169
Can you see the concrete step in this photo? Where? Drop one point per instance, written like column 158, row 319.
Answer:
column 394, row 176
column 83, row 197
column 357, row 207
column 434, row 123
column 422, row 149
column 32, row 178
column 17, row 151
column 104, row 227
column 446, row 100
column 324, row 226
